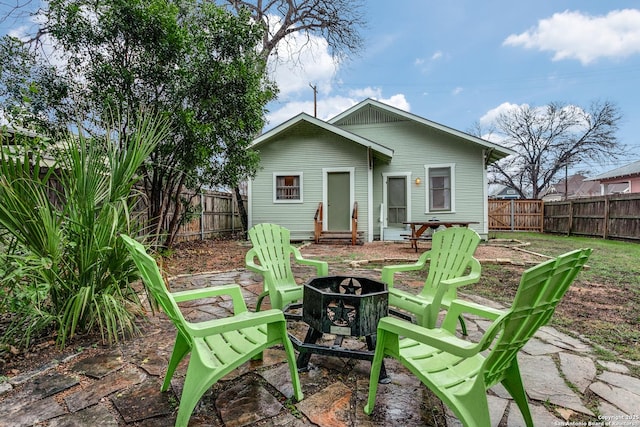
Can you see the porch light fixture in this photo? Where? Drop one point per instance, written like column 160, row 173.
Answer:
column 418, row 181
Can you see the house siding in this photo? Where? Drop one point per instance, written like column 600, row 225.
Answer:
column 416, row 146
column 309, row 150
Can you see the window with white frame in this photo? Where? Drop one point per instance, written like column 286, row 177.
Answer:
column 287, row 187
column 440, row 188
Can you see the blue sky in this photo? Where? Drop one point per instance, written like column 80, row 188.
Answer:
column 461, row 62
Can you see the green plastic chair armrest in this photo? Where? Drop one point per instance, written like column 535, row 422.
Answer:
column 459, row 307
column 240, row 321
column 322, row 267
column 472, row 277
column 232, row 290
column 438, row 338
column 250, row 263
column 389, row 270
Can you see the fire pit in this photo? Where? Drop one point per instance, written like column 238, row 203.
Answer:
column 341, row 306
column 344, row 305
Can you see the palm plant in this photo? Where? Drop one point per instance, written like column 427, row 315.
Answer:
column 65, row 269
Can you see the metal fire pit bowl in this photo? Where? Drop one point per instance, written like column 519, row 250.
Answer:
column 345, row 305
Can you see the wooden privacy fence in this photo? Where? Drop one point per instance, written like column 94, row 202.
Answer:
column 610, row 217
column 516, row 215
column 216, row 213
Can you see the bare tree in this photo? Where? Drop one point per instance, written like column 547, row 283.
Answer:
column 550, row 138
column 337, row 21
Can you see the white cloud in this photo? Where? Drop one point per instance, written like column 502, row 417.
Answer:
column 437, row 55
column 490, row 116
column 574, row 35
column 301, row 60
column 457, row 91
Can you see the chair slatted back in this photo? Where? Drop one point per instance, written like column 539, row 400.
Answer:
column 541, row 288
column 154, row 282
column 451, row 252
column 272, row 244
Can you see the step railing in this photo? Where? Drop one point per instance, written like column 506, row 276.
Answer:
column 354, row 224
column 317, row 223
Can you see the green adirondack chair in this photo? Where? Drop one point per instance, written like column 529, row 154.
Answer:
column 457, row 370
column 217, row 346
column 451, row 262
column 273, row 250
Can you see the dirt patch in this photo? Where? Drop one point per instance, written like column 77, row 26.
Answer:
column 220, row 255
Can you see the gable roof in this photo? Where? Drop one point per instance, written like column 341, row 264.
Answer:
column 370, row 109
column 304, row 118
column 623, row 171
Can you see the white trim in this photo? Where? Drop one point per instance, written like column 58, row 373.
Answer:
column 249, row 203
column 485, row 199
column 274, row 184
column 385, row 201
column 370, row 205
column 325, row 182
column 452, row 169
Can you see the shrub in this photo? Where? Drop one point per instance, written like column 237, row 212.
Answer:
column 64, row 269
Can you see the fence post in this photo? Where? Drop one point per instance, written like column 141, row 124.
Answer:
column 233, row 212
column 202, row 215
column 513, row 215
column 570, row 225
column 605, row 227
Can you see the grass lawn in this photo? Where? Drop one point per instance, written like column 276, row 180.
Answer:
column 603, row 302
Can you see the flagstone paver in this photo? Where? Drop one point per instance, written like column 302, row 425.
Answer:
column 99, row 365
column 543, row 382
column 143, row 401
column 121, row 386
column 247, row 403
column 35, row 412
column 619, row 397
column 96, row 415
column 111, row 383
column 579, row 370
column 329, row 407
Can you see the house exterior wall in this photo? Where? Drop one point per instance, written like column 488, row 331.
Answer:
column 310, row 151
column 632, row 181
column 416, row 146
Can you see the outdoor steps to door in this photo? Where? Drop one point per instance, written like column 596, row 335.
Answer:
column 340, row 238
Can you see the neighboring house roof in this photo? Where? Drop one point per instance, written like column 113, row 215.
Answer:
column 304, row 118
column 573, row 183
column 495, row 152
column 628, row 170
column 500, row 191
column 579, row 186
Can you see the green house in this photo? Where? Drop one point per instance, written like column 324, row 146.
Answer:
column 382, row 164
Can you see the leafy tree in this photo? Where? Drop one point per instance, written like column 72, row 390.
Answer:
column 548, row 139
column 192, row 61
column 24, row 100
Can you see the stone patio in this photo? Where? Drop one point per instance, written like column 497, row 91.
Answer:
column 120, row 386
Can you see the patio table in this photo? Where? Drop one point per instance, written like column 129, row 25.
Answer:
column 419, row 227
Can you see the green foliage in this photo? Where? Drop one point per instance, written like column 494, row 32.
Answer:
column 194, row 61
column 64, row 268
